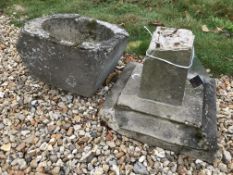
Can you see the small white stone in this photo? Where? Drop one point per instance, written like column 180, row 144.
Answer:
column 34, row 102
column 227, row 155
column 142, row 158
column 38, row 158
column 72, row 137
column 99, row 171
column 105, row 167
column 161, row 154
column 55, row 170
column 74, row 151
column 2, row 94
column 70, row 156
column 1, row 126
column 21, row 117
column 7, row 122
column 230, row 129
column 111, row 144
column 6, row 147
column 115, row 168
column 59, row 163
column 106, row 88
column 77, row 127
column 52, row 140
column 62, row 149
column 81, row 132
column 21, row 162
column 25, row 132
column 31, row 152
column 44, row 146
column 198, row 161
column 50, row 147
column 222, row 167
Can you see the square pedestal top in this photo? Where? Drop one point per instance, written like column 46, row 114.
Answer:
column 171, row 39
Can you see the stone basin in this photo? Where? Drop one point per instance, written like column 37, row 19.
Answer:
column 71, row 52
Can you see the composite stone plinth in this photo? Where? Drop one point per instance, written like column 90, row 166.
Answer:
column 189, row 128
column 71, row 52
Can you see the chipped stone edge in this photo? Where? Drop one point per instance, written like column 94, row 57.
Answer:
column 34, row 28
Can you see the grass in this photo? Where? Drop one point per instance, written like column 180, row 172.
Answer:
column 215, row 50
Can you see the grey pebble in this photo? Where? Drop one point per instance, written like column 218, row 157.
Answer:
column 1, row 125
column 227, row 156
column 139, row 168
column 53, row 158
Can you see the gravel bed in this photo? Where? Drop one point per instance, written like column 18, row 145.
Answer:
column 44, row 130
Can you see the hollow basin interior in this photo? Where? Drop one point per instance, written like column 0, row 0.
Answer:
column 77, row 30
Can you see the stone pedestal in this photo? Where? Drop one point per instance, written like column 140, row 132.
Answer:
column 185, row 122
column 162, row 81
column 189, row 129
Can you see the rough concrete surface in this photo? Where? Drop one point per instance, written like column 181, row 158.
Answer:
column 156, row 128
column 190, row 112
column 72, row 52
column 162, row 81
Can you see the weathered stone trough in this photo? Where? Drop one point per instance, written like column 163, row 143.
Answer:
column 72, row 52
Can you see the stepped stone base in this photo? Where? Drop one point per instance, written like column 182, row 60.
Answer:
column 189, row 129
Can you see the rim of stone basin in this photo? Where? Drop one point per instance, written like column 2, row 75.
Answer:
column 35, row 28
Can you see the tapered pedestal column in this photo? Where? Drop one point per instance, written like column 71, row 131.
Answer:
column 166, row 65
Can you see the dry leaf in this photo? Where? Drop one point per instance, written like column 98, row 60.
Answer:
column 129, row 58
column 12, row 172
column 218, row 30
column 109, row 136
column 56, row 136
column 2, row 46
column 205, row 28
column 112, row 77
column 122, row 24
column 83, row 140
column 156, row 23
